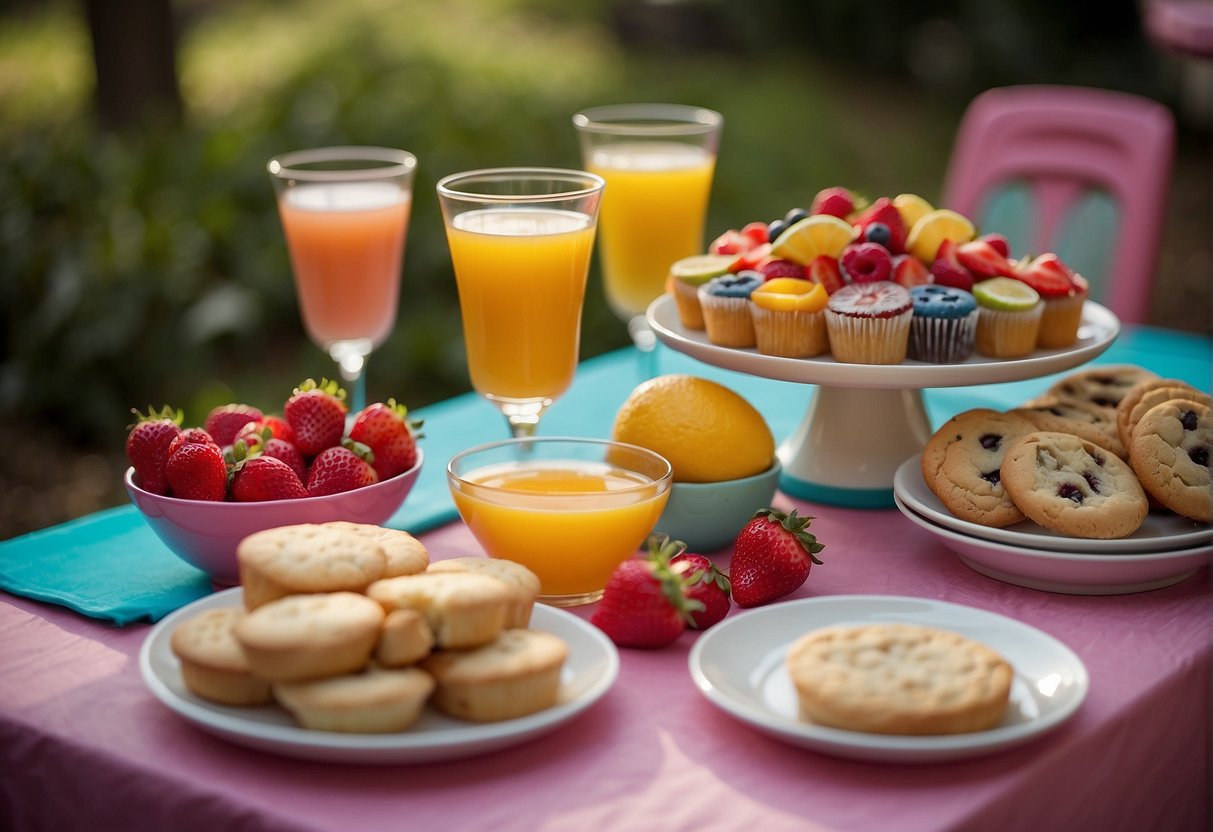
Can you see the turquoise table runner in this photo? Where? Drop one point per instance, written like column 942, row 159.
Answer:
column 110, row 565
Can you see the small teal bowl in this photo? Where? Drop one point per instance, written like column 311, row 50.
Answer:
column 707, row 516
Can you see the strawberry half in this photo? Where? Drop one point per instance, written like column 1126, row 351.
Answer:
column 824, row 270
column 316, row 412
column 386, row 429
column 705, row 584
column 909, row 271
column 147, row 446
column 1048, row 275
column 983, row 259
column 772, row 557
column 836, row 201
column 883, row 211
column 645, row 603
column 948, row 270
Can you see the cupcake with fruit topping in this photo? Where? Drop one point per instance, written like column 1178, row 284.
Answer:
column 1062, row 293
column 1008, row 319
column 789, row 317
column 869, row 323
column 944, row 324
column 685, row 278
column 726, row 308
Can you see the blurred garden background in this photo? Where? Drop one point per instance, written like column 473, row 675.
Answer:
column 141, row 257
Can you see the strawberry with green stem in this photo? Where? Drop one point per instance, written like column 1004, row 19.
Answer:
column 645, row 603
column 316, row 412
column 772, row 557
column 147, row 446
column 341, row 468
column 705, row 584
column 386, row 429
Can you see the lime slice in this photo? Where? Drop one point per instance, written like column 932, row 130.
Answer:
column 912, row 208
column 805, row 241
column 700, row 268
column 1006, row 294
column 932, row 228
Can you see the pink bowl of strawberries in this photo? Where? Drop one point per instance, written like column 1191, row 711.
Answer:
column 204, row 489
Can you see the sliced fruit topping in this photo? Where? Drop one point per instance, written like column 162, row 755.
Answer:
column 789, row 294
column 824, row 271
column 730, row 242
column 947, row 269
column 882, row 213
column 866, row 263
column 836, row 202
column 1005, row 294
column 983, row 259
column 912, row 208
column 774, row 267
column 909, row 271
column 1000, row 243
column 933, row 228
column 1049, row 276
column 700, row 268
column 812, row 237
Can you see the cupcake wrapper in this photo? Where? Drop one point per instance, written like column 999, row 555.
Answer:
column 855, row 340
column 943, row 340
column 1002, row 334
column 727, row 320
column 1059, row 321
column 789, row 334
column 686, row 298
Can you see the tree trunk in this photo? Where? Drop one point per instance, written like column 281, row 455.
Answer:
column 134, row 49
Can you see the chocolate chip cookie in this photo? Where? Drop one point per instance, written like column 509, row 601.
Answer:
column 962, row 465
column 1073, row 486
column 1090, row 421
column 1170, row 453
column 1102, row 386
column 1148, row 395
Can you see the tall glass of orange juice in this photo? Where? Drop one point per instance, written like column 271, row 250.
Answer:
column 520, row 241
column 570, row 510
column 345, row 214
column 658, row 161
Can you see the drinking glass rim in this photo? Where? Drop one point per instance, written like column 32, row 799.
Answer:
column 592, row 183
column 667, row 477
column 395, row 163
column 648, row 120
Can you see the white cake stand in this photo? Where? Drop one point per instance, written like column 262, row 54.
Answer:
column 864, row 420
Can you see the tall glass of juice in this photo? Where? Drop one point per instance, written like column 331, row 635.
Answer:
column 520, row 242
column 570, row 510
column 345, row 214
column 658, row 161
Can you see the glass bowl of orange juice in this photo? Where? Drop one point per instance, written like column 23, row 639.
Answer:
column 569, row 509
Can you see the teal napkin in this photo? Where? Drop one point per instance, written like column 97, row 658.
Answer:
column 111, row 566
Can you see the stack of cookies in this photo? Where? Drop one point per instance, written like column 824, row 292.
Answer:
column 350, row 628
column 1088, row 459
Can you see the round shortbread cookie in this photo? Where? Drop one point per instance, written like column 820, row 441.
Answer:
column 1101, row 386
column 522, row 582
column 462, row 609
column 213, row 664
column 306, row 558
column 898, row 679
column 1073, row 486
column 377, row 700
column 1170, row 453
column 516, row 675
column 405, row 554
column 310, row 636
column 406, row 639
column 962, row 465
column 1061, row 415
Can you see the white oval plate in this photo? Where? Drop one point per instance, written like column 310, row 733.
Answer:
column 591, row 669
column 1098, row 329
column 739, row 666
column 1073, row 573
column 1161, row 531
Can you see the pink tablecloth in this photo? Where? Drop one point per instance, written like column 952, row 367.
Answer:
column 84, row 745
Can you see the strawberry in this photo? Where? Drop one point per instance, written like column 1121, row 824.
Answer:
column 645, row 602
column 838, row 202
column 278, row 428
column 189, row 436
column 824, row 270
column 316, row 412
column 196, row 471
column 261, row 478
column 341, row 468
column 751, row 258
column 909, row 271
column 948, row 270
column 262, row 441
column 1000, row 243
column 147, row 446
column 772, row 557
column 1047, row 274
column 223, row 422
column 731, row 242
column 705, row 584
column 388, row 432
column 757, row 232
column 774, row 267
column 983, row 259
column 288, row 453
column 883, row 212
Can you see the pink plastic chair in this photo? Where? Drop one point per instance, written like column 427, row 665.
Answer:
column 1092, row 167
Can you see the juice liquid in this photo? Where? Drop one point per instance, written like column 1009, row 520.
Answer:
column 573, row 549
column 521, row 275
column 346, row 243
column 653, row 212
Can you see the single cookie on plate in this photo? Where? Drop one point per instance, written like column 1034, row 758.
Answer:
column 1170, row 453
column 307, row 558
column 1102, row 386
column 373, row 701
column 1148, row 395
column 1061, row 415
column 962, row 465
column 213, row 664
column 898, row 679
column 1073, row 486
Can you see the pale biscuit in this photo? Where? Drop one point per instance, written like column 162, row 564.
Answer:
column 306, row 558
column 213, row 664
column 1133, row 396
column 405, row 639
column 1101, row 386
column 1170, row 453
column 516, row 675
column 1150, row 399
column 462, row 609
column 1073, row 486
column 898, row 679
column 522, row 582
column 406, row 555
column 1091, row 422
column 310, row 636
column 376, row 700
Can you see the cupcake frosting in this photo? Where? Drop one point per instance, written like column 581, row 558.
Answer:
column 740, row 285
column 934, row 301
column 880, row 299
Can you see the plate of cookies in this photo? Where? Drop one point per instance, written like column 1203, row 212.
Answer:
column 345, row 644
column 889, row 678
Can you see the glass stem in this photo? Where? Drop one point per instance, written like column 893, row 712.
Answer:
column 352, row 364
column 645, row 341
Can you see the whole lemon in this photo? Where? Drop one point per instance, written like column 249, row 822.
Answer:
column 707, row 432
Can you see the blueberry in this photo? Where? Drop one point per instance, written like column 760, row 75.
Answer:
column 1092, row 481
column 794, row 216
column 990, row 441
column 992, row 477
column 775, row 229
column 1200, row 456
column 878, row 232
column 1069, row 492
column 1189, row 420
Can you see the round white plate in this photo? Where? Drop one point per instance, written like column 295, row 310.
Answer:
column 1070, row 572
column 589, row 672
column 739, row 666
column 1098, row 329
column 1161, row 531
